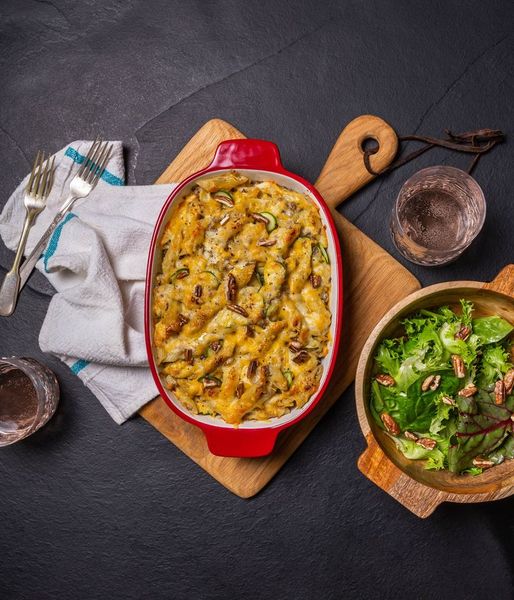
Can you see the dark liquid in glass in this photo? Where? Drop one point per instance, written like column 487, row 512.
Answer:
column 18, row 403
column 433, row 219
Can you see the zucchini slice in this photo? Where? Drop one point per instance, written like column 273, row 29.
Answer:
column 324, row 254
column 180, row 274
column 288, row 377
column 272, row 221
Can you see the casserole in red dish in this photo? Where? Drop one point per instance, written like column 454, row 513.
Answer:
column 260, row 161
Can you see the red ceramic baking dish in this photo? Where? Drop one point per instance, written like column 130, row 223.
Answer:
column 260, row 161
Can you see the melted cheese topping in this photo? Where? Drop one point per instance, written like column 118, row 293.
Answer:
column 241, row 306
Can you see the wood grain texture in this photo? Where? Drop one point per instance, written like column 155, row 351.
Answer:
column 346, row 157
column 418, row 490
column 373, row 283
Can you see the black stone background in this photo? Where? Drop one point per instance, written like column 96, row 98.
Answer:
column 92, row 510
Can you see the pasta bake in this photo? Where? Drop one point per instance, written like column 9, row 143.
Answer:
column 241, row 306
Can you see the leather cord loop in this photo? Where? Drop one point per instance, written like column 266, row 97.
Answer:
column 473, row 142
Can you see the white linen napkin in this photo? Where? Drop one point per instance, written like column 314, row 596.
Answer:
column 96, row 261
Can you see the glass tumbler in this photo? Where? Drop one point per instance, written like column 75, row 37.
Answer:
column 438, row 213
column 29, row 394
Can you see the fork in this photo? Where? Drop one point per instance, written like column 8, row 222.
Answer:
column 36, row 193
column 81, row 186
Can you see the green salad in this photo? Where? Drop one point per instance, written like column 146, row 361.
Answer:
column 444, row 390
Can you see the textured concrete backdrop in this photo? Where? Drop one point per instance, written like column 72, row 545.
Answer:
column 92, row 510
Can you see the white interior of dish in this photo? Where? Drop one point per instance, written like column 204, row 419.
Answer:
column 296, row 186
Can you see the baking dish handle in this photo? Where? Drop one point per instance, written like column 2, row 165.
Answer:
column 247, row 154
column 243, row 443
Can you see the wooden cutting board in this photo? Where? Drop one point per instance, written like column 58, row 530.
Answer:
column 373, row 283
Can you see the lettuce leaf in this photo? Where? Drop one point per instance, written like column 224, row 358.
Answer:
column 467, row 349
column 435, row 459
column 442, row 417
column 495, row 363
column 474, row 471
column 491, row 329
column 388, row 356
column 417, row 409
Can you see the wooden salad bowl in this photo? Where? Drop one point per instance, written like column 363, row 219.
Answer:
column 419, row 490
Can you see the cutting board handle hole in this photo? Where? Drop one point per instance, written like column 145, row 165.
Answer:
column 370, row 145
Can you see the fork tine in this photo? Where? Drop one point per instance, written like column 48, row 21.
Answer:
column 50, row 182
column 41, row 190
column 32, row 173
column 98, row 167
column 89, row 156
column 37, row 176
column 93, row 161
column 103, row 164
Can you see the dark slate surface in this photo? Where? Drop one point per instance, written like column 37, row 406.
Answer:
column 92, row 510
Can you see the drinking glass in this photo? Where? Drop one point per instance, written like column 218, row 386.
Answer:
column 438, row 213
column 29, row 394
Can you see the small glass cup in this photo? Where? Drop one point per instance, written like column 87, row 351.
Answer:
column 438, row 213
column 29, row 394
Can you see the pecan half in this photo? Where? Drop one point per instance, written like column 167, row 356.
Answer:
column 482, row 463
column 240, row 389
column 252, row 369
column 427, row 383
column 427, row 443
column 315, row 280
column 182, row 319
column 231, row 288
column 224, row 219
column 266, row 243
column 435, row 384
column 182, row 273
column 198, row 291
column 468, row 391
column 237, row 309
column 211, row 383
column 250, row 331
column 176, row 325
column 390, row 424
column 225, row 200
column 385, row 380
column 458, row 366
column 463, row 333
column 499, row 392
column 410, row 436
column 171, row 329
column 188, row 356
column 295, row 346
column 448, row 400
column 216, row 346
column 301, row 357
column 260, row 218
column 509, row 381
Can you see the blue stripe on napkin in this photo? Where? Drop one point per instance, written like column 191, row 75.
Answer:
column 107, row 176
column 77, row 366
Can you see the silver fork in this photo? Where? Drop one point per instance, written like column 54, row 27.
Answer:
column 36, row 193
column 81, row 186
